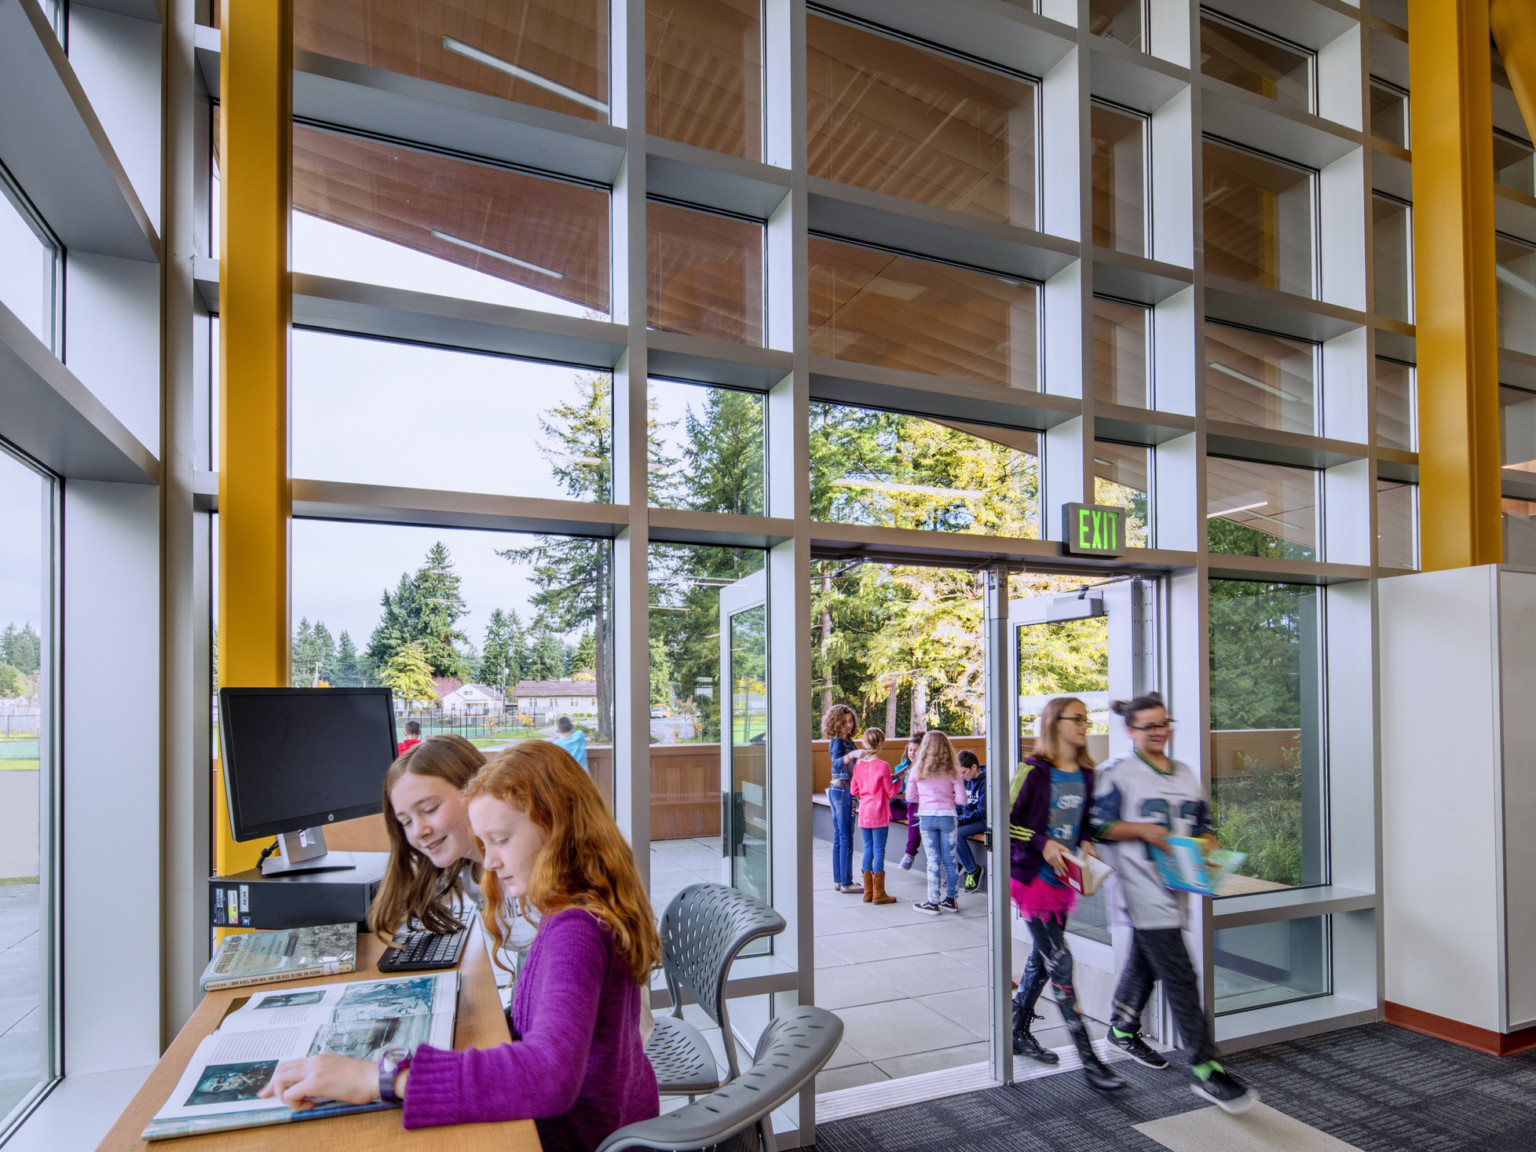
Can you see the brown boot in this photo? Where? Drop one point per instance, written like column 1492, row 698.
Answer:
column 869, row 887
column 880, row 895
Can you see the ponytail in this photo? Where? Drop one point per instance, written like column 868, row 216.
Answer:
column 1127, row 709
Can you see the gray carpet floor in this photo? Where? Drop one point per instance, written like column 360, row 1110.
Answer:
column 1377, row 1087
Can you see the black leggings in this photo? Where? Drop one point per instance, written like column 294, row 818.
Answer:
column 1051, row 960
column 1159, row 954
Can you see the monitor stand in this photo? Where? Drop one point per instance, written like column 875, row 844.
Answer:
column 304, row 851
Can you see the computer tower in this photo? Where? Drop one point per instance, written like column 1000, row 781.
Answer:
column 250, row 900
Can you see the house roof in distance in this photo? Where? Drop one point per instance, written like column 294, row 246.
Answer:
column 482, row 689
column 536, row 688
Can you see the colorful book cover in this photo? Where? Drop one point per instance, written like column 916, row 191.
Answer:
column 1085, row 872
column 288, row 954
column 1189, row 868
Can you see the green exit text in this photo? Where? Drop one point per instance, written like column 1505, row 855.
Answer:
column 1093, row 530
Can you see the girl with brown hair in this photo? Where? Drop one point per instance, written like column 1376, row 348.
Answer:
column 576, row 1065
column 1051, row 794
column 838, row 725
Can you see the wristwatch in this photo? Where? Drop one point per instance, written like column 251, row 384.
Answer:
column 392, row 1062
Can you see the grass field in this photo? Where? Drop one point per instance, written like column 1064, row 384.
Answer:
column 19, row 765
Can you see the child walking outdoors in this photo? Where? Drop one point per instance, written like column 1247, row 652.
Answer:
column 1048, row 820
column 934, row 790
column 838, row 725
column 900, row 806
column 873, row 786
column 1139, row 801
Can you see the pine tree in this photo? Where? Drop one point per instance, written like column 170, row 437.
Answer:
column 325, row 652
column 547, row 659
column 22, row 648
column 410, row 676
column 503, row 658
column 345, row 671
column 724, row 454
column 304, row 655
column 439, row 605
column 584, row 655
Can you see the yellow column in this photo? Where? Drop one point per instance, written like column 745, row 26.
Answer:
column 1456, row 306
column 255, row 148
column 1514, row 31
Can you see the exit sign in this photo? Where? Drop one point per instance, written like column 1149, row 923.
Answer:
column 1093, row 530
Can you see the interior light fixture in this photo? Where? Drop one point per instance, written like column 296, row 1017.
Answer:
column 907, row 489
column 479, row 56
column 484, row 251
column 1226, row 370
column 1241, row 508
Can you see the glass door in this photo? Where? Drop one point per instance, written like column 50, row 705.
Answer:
column 1094, row 642
column 744, row 734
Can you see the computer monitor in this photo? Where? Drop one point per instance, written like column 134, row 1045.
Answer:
column 297, row 759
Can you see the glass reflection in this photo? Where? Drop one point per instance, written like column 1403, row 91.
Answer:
column 705, row 274
column 1258, row 219
column 897, row 471
column 1514, row 162
column 1396, row 419
column 893, row 311
column 1389, row 112
column 1259, row 378
column 746, row 822
column 1255, row 61
column 1397, row 524
column 704, row 74
column 1520, row 532
column 548, row 53
column 1516, row 271
column 1120, row 352
column 1122, row 478
column 891, row 117
column 1120, row 20
column 1392, row 239
column 1118, row 143
column 1278, row 963
column 1517, row 428
column 1255, row 509
column 384, row 214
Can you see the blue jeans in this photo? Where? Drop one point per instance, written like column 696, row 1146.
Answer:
column 874, row 848
column 939, row 847
column 842, row 834
column 963, row 855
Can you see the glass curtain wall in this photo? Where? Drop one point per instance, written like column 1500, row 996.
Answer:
column 29, row 1057
column 29, row 264
column 1259, row 219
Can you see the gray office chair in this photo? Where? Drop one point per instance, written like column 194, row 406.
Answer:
column 702, row 931
column 793, row 1048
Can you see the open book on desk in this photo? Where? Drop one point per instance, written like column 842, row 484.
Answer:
column 217, row 1092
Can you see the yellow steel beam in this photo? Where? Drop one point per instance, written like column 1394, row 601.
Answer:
column 1514, row 31
column 255, row 501
column 1456, row 305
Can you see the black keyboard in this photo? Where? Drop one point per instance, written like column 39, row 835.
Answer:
column 421, row 951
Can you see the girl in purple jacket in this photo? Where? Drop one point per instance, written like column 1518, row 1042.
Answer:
column 1051, row 795
column 575, row 1066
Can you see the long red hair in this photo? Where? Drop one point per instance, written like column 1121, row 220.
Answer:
column 585, row 862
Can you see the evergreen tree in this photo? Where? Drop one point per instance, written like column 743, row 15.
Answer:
column 305, row 655
column 723, row 456
column 547, row 659
column 584, row 655
column 325, row 649
column 502, row 660
column 423, row 609
column 410, row 676
column 12, row 682
column 22, row 648
column 345, row 669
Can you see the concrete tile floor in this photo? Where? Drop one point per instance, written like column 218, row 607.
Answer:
column 22, row 1049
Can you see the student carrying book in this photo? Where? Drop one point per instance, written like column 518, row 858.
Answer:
column 576, row 1065
column 1048, row 821
column 1139, row 801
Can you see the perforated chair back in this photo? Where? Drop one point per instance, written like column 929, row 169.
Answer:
column 702, row 931
column 793, row 1048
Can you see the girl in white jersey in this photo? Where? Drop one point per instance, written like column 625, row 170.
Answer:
column 1139, row 801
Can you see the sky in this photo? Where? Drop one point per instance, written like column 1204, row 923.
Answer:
column 374, row 412
column 22, row 576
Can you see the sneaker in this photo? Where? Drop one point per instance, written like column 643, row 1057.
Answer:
column 1137, row 1049
column 926, row 907
column 906, row 862
column 973, row 878
column 1224, row 1090
column 948, row 904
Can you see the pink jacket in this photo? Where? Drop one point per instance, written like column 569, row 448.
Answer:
column 873, row 785
column 937, row 795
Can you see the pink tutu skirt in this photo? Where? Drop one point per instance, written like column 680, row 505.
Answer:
column 1038, row 900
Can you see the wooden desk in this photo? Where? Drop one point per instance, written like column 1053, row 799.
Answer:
column 481, row 1024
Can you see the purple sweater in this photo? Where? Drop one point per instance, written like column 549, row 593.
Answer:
column 575, row 1065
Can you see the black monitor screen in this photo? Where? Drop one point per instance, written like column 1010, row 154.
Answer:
column 303, row 757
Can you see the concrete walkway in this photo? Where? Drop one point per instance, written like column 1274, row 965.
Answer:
column 22, row 1043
